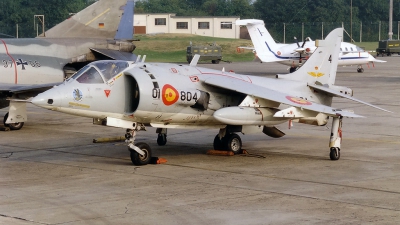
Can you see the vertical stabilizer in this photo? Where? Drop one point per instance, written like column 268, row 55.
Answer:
column 99, row 20
column 125, row 27
column 266, row 47
column 321, row 67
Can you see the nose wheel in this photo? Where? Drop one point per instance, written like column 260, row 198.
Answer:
column 140, row 152
column 143, row 158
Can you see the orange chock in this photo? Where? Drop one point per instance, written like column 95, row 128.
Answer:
column 221, row 153
column 156, row 160
column 161, row 161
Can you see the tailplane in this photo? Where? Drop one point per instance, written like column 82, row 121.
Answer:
column 265, row 46
column 321, row 67
column 103, row 19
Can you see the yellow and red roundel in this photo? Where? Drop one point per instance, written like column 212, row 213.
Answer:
column 169, row 95
column 298, row 100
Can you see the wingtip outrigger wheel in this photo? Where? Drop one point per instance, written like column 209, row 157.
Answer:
column 336, row 138
column 12, row 126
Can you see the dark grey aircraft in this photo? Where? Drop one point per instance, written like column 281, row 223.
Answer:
column 28, row 66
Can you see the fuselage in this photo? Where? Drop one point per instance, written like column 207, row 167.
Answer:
column 350, row 54
column 164, row 95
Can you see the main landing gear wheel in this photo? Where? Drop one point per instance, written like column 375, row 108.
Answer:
column 218, row 145
column 292, row 69
column 360, row 70
column 13, row 126
column 141, row 160
column 233, row 143
column 335, row 153
column 162, row 139
column 230, row 142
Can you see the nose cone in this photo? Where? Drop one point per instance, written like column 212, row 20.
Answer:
column 48, row 99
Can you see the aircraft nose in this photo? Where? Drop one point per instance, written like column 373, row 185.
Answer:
column 48, row 99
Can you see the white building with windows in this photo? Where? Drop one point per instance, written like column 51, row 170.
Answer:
column 220, row 26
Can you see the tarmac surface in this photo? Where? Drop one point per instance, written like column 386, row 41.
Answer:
column 52, row 173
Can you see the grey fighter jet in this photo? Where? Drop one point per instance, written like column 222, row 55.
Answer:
column 28, row 66
column 133, row 95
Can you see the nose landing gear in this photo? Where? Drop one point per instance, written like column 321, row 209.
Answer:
column 140, row 152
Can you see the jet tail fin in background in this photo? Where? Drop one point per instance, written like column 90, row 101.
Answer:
column 125, row 27
column 322, row 65
column 264, row 45
column 103, row 19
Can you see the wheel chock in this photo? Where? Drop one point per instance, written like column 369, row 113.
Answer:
column 4, row 128
column 156, row 160
column 110, row 139
column 221, row 153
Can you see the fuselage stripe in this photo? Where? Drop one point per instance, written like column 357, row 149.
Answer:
column 15, row 65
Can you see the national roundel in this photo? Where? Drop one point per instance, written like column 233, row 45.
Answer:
column 169, row 95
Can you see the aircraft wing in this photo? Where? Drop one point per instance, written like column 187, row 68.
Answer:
column 275, row 96
column 26, row 90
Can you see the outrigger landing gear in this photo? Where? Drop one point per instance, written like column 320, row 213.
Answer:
column 336, row 138
column 228, row 142
column 12, row 126
column 140, row 152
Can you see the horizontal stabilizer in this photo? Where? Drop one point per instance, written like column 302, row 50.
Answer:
column 335, row 93
column 116, row 55
column 28, row 90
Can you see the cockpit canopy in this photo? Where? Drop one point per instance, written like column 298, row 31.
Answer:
column 99, row 71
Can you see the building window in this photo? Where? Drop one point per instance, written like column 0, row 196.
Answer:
column 226, row 25
column 181, row 25
column 204, row 25
column 161, row 21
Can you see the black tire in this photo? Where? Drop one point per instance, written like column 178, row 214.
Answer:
column 162, row 139
column 292, row 69
column 218, row 145
column 139, row 160
column 233, row 143
column 334, row 154
column 12, row 126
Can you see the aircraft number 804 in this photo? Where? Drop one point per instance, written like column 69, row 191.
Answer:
column 184, row 95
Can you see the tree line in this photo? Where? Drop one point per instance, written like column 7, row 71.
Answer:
column 22, row 12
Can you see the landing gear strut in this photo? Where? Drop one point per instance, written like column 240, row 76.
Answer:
column 140, row 152
column 228, row 142
column 336, row 138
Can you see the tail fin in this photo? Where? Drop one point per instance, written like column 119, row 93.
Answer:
column 102, row 19
column 321, row 67
column 266, row 47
